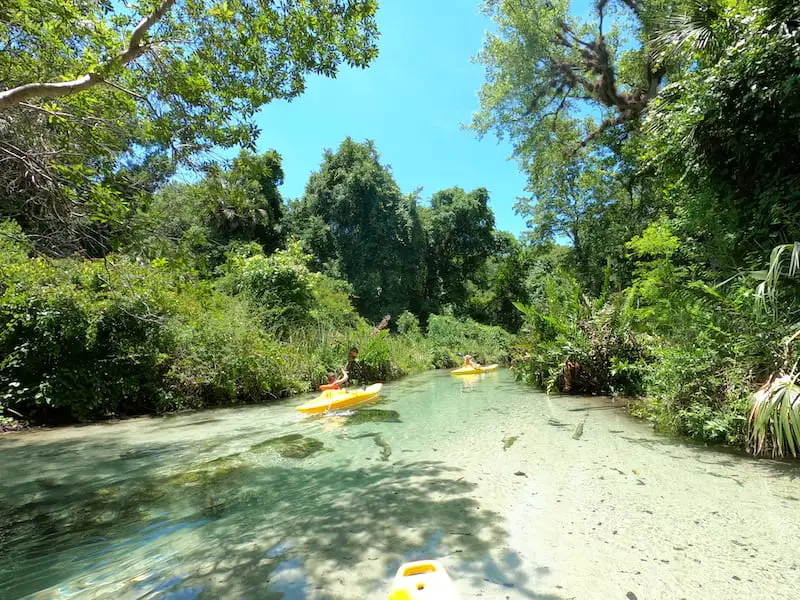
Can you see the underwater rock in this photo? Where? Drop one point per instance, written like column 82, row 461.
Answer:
column 209, row 473
column 224, row 462
column 273, row 442
column 148, row 493
column 290, row 446
column 373, row 415
column 137, row 453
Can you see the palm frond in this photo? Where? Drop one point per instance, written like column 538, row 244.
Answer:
column 688, row 33
column 766, row 290
column 775, row 417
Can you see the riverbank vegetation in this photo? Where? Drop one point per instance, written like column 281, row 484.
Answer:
column 188, row 326
column 660, row 142
column 139, row 274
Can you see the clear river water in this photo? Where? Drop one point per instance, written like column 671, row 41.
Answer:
column 519, row 495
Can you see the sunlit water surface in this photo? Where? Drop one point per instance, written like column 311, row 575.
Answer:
column 488, row 476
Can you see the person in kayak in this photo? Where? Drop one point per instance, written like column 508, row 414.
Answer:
column 332, row 381
column 468, row 362
column 351, row 371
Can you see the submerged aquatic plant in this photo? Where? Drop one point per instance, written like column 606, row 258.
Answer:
column 775, row 416
column 290, row 446
column 372, row 415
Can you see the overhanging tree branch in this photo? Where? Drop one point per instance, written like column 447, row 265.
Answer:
column 604, row 126
column 588, row 68
column 12, row 97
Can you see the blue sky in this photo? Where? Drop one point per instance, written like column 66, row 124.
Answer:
column 412, row 102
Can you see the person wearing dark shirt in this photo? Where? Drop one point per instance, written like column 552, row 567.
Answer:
column 351, row 372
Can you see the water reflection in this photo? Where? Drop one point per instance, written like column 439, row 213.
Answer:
column 470, row 382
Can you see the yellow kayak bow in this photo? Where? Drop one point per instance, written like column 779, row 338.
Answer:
column 422, row 579
column 337, row 399
column 473, row 370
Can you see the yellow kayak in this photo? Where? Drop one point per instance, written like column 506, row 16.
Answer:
column 473, row 370
column 336, row 399
column 422, row 579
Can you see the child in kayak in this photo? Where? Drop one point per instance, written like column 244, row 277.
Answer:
column 332, row 383
column 468, row 362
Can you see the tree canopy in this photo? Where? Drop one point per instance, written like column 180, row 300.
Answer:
column 723, row 132
column 104, row 84
column 547, row 69
column 355, row 221
column 460, row 227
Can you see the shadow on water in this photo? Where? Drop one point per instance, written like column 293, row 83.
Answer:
column 237, row 527
column 339, row 517
column 717, row 455
column 595, row 408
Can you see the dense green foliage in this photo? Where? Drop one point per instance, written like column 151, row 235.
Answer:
column 124, row 290
column 357, row 224
column 660, row 144
column 399, row 253
column 671, row 203
column 448, row 336
column 100, row 100
column 92, row 339
column 220, row 293
column 200, row 222
column 459, row 227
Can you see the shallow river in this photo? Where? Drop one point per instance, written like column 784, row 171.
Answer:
column 493, row 479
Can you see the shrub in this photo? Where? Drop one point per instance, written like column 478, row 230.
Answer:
column 571, row 344
column 82, row 340
column 280, row 285
column 408, row 324
column 698, row 392
column 449, row 336
column 716, row 351
column 85, row 340
column 222, row 356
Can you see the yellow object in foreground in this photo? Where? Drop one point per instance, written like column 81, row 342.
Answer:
column 473, row 370
column 422, row 579
column 336, row 399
